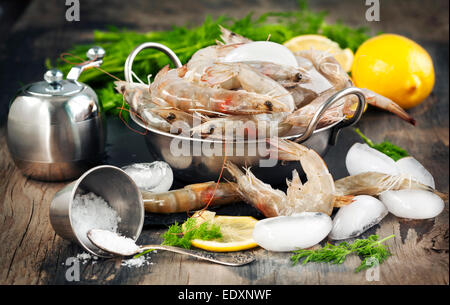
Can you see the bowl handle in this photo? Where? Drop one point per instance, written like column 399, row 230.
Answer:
column 344, row 123
column 148, row 45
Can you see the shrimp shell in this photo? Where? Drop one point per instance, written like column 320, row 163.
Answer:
column 185, row 95
column 191, row 197
column 374, row 183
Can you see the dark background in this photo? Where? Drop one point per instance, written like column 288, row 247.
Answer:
column 32, row 31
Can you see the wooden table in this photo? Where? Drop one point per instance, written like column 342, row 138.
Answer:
column 31, row 252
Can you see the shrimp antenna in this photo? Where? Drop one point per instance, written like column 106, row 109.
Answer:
column 208, row 111
column 138, row 79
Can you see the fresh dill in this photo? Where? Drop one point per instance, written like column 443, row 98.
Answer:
column 184, row 41
column 143, row 252
column 181, row 235
column 371, row 251
column 386, row 147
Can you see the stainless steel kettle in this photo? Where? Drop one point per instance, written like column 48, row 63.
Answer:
column 55, row 130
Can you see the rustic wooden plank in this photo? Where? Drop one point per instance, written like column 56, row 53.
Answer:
column 33, row 254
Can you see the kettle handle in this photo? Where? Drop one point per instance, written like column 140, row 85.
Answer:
column 95, row 55
column 148, row 45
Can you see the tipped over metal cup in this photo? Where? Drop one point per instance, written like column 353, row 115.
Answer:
column 113, row 185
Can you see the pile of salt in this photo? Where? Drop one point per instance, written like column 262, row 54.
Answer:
column 90, row 211
column 113, row 242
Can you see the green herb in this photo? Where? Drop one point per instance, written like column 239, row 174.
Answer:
column 182, row 235
column 371, row 251
column 184, row 41
column 143, row 252
column 385, row 147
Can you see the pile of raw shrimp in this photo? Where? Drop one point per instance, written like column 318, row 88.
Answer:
column 259, row 87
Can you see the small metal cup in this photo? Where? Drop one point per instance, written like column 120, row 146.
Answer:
column 110, row 183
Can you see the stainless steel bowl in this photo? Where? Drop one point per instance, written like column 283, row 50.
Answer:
column 200, row 166
column 112, row 184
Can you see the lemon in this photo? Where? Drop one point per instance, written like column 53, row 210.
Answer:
column 322, row 43
column 236, row 233
column 396, row 67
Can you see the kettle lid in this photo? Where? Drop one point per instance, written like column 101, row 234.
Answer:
column 54, row 85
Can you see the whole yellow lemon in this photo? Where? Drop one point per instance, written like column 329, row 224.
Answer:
column 396, row 67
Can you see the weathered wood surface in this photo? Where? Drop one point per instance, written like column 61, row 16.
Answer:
column 31, row 253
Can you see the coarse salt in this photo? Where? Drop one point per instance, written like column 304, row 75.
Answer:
column 90, row 211
column 137, row 262
column 113, row 242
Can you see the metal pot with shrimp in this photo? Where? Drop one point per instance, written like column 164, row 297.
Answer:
column 188, row 111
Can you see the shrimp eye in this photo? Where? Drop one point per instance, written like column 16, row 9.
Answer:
column 269, row 105
column 171, row 117
column 298, row 77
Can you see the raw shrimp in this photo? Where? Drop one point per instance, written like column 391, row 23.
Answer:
column 204, row 58
column 316, row 195
column 172, row 115
column 336, row 112
column 324, row 64
column 135, row 94
column 373, row 184
column 327, row 65
column 140, row 101
column 304, row 85
column 383, row 102
column 251, row 126
column 191, row 197
column 239, row 75
column 171, row 87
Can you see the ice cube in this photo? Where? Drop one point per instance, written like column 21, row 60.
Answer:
column 288, row 233
column 410, row 166
column 153, row 177
column 362, row 158
column 357, row 217
column 414, row 204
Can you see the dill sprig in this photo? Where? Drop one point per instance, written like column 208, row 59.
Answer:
column 371, row 251
column 181, row 235
column 185, row 41
column 386, row 147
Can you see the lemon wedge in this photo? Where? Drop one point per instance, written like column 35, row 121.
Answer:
column 322, row 43
column 236, row 232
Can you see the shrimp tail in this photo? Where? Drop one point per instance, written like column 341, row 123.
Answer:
column 285, row 150
column 385, row 103
column 340, row 201
column 218, row 74
column 230, row 37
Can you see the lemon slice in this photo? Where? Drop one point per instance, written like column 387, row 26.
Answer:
column 236, row 233
column 322, row 43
